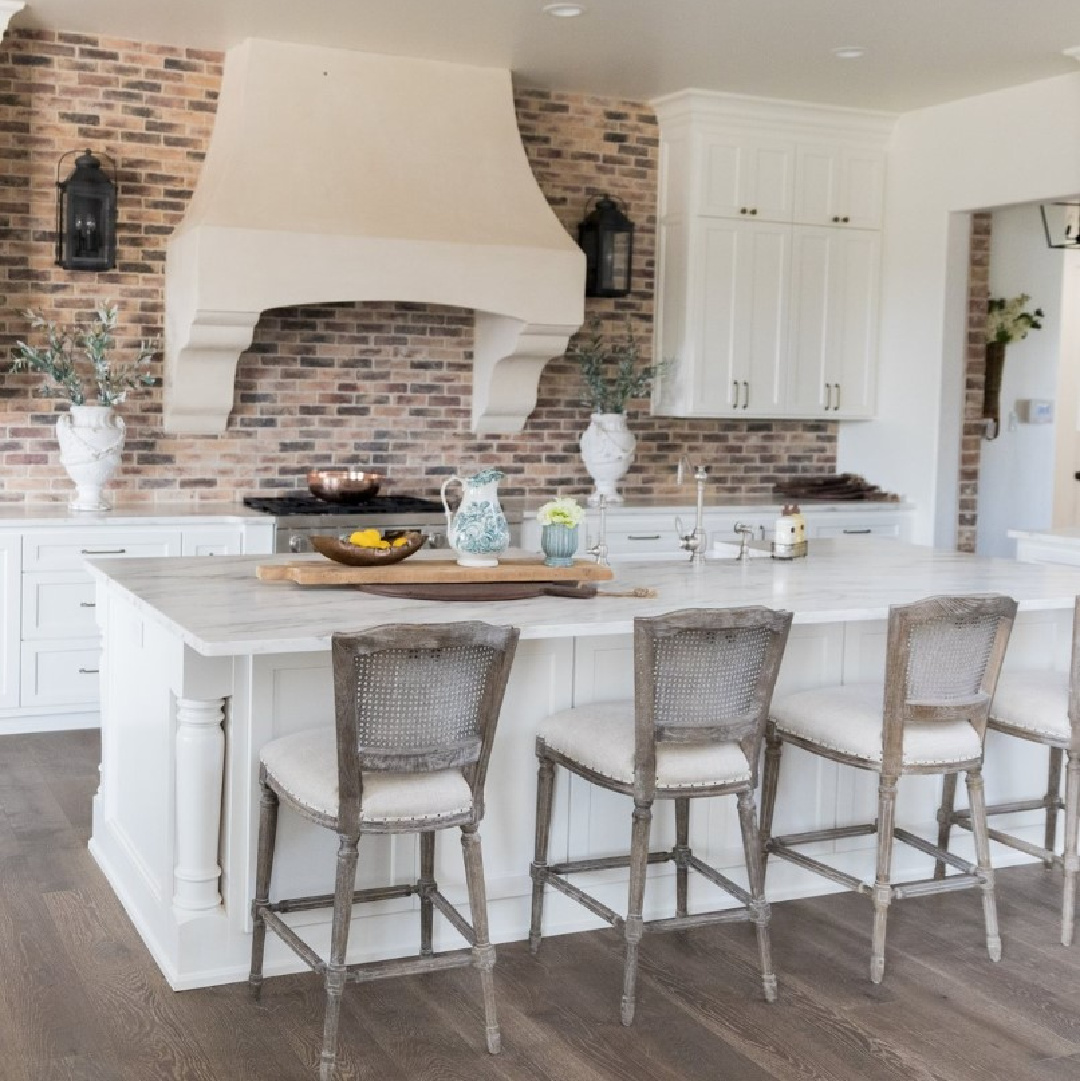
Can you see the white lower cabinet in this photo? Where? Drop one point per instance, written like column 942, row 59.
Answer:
column 50, row 649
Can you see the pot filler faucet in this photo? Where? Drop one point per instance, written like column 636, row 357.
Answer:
column 694, row 541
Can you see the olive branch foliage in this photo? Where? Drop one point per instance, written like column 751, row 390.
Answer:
column 77, row 377
column 610, row 368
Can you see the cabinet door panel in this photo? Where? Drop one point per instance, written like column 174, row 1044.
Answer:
column 764, row 280
column 744, row 178
column 861, row 188
column 853, row 300
column 816, row 188
column 10, row 551
column 810, row 315
column 720, row 353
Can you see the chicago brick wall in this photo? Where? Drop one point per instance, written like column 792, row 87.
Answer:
column 341, row 384
column 974, row 380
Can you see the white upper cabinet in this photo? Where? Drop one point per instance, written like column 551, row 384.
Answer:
column 769, row 258
column 842, row 186
column 746, row 178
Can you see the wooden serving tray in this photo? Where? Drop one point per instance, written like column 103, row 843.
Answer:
column 440, row 571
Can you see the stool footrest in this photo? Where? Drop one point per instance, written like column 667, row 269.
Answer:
column 1040, row 804
column 717, row 879
column 1019, row 844
column 604, row 863
column 597, row 908
column 929, row 849
column 777, row 848
column 291, row 939
column 699, row 919
column 455, row 918
column 408, row 966
column 926, row 886
column 326, row 900
column 833, row 833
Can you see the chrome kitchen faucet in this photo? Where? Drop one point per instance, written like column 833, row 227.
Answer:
column 694, row 541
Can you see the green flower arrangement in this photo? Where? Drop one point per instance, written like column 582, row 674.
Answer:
column 564, row 511
column 74, row 377
column 1007, row 321
column 611, row 370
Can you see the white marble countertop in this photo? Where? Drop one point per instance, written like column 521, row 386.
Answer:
column 1064, row 533
column 219, row 608
column 21, row 515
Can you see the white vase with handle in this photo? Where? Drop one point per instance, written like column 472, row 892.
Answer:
column 478, row 531
column 91, row 441
column 607, row 449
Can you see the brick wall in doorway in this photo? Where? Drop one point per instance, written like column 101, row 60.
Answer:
column 978, row 294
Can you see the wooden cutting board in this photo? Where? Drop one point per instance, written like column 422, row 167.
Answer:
column 430, row 572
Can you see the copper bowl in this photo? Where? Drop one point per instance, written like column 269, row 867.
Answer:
column 343, row 485
column 341, row 551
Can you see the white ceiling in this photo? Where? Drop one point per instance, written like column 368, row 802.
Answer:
column 918, row 52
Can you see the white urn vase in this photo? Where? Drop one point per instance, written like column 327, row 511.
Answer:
column 91, row 440
column 607, row 449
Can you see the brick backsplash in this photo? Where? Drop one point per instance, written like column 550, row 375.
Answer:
column 335, row 384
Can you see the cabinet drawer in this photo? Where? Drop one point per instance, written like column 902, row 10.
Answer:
column 65, row 549
column 57, row 604
column 60, row 673
column 861, row 529
column 646, row 537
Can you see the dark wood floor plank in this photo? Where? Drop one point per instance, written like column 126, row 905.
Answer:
column 81, row 1000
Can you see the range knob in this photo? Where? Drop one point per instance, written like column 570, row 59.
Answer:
column 299, row 543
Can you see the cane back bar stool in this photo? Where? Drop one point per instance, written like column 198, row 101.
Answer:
column 942, row 663
column 1042, row 707
column 416, row 709
column 703, row 680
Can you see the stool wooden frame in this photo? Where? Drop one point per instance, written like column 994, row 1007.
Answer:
column 1051, row 803
column 899, row 711
column 746, row 728
column 469, row 753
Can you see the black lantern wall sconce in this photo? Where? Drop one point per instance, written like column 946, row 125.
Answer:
column 1061, row 223
column 86, row 214
column 606, row 236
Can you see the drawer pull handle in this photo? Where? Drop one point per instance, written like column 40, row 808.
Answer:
column 89, row 671
column 102, row 551
column 643, row 536
column 87, row 604
column 858, row 531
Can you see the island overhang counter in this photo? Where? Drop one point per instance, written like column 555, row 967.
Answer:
column 203, row 664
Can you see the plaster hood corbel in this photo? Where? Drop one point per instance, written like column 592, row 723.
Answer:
column 341, row 176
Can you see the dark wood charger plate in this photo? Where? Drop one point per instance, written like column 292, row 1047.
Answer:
column 480, row 591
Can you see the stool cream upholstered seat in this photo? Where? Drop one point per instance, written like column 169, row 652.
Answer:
column 703, row 680
column 943, row 656
column 415, row 714
column 1041, row 707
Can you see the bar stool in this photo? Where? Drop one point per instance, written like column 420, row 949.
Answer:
column 1044, row 708
column 416, row 709
column 942, row 663
column 703, row 680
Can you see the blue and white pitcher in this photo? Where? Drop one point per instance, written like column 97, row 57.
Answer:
column 478, row 531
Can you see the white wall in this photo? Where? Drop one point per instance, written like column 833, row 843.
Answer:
column 1067, row 451
column 1012, row 146
column 1016, row 470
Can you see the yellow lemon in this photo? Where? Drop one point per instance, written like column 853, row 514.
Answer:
column 399, row 542
column 366, row 538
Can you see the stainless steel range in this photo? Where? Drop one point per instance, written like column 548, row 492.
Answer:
column 297, row 517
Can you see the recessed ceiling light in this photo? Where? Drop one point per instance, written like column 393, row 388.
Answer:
column 563, row 11
column 848, row 52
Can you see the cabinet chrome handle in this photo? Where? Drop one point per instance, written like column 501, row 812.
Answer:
column 87, row 604
column 828, row 397
column 102, row 551
column 858, row 531
column 753, row 210
column 743, row 210
column 836, row 219
column 845, row 219
column 837, row 406
column 735, row 402
column 89, row 671
column 746, row 395
column 643, row 536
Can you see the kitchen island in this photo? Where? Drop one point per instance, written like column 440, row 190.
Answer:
column 204, row 664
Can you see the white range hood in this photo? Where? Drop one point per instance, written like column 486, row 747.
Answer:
column 340, row 176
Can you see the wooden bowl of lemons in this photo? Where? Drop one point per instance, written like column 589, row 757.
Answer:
column 370, row 547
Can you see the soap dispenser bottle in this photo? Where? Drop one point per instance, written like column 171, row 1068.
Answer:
column 789, row 540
